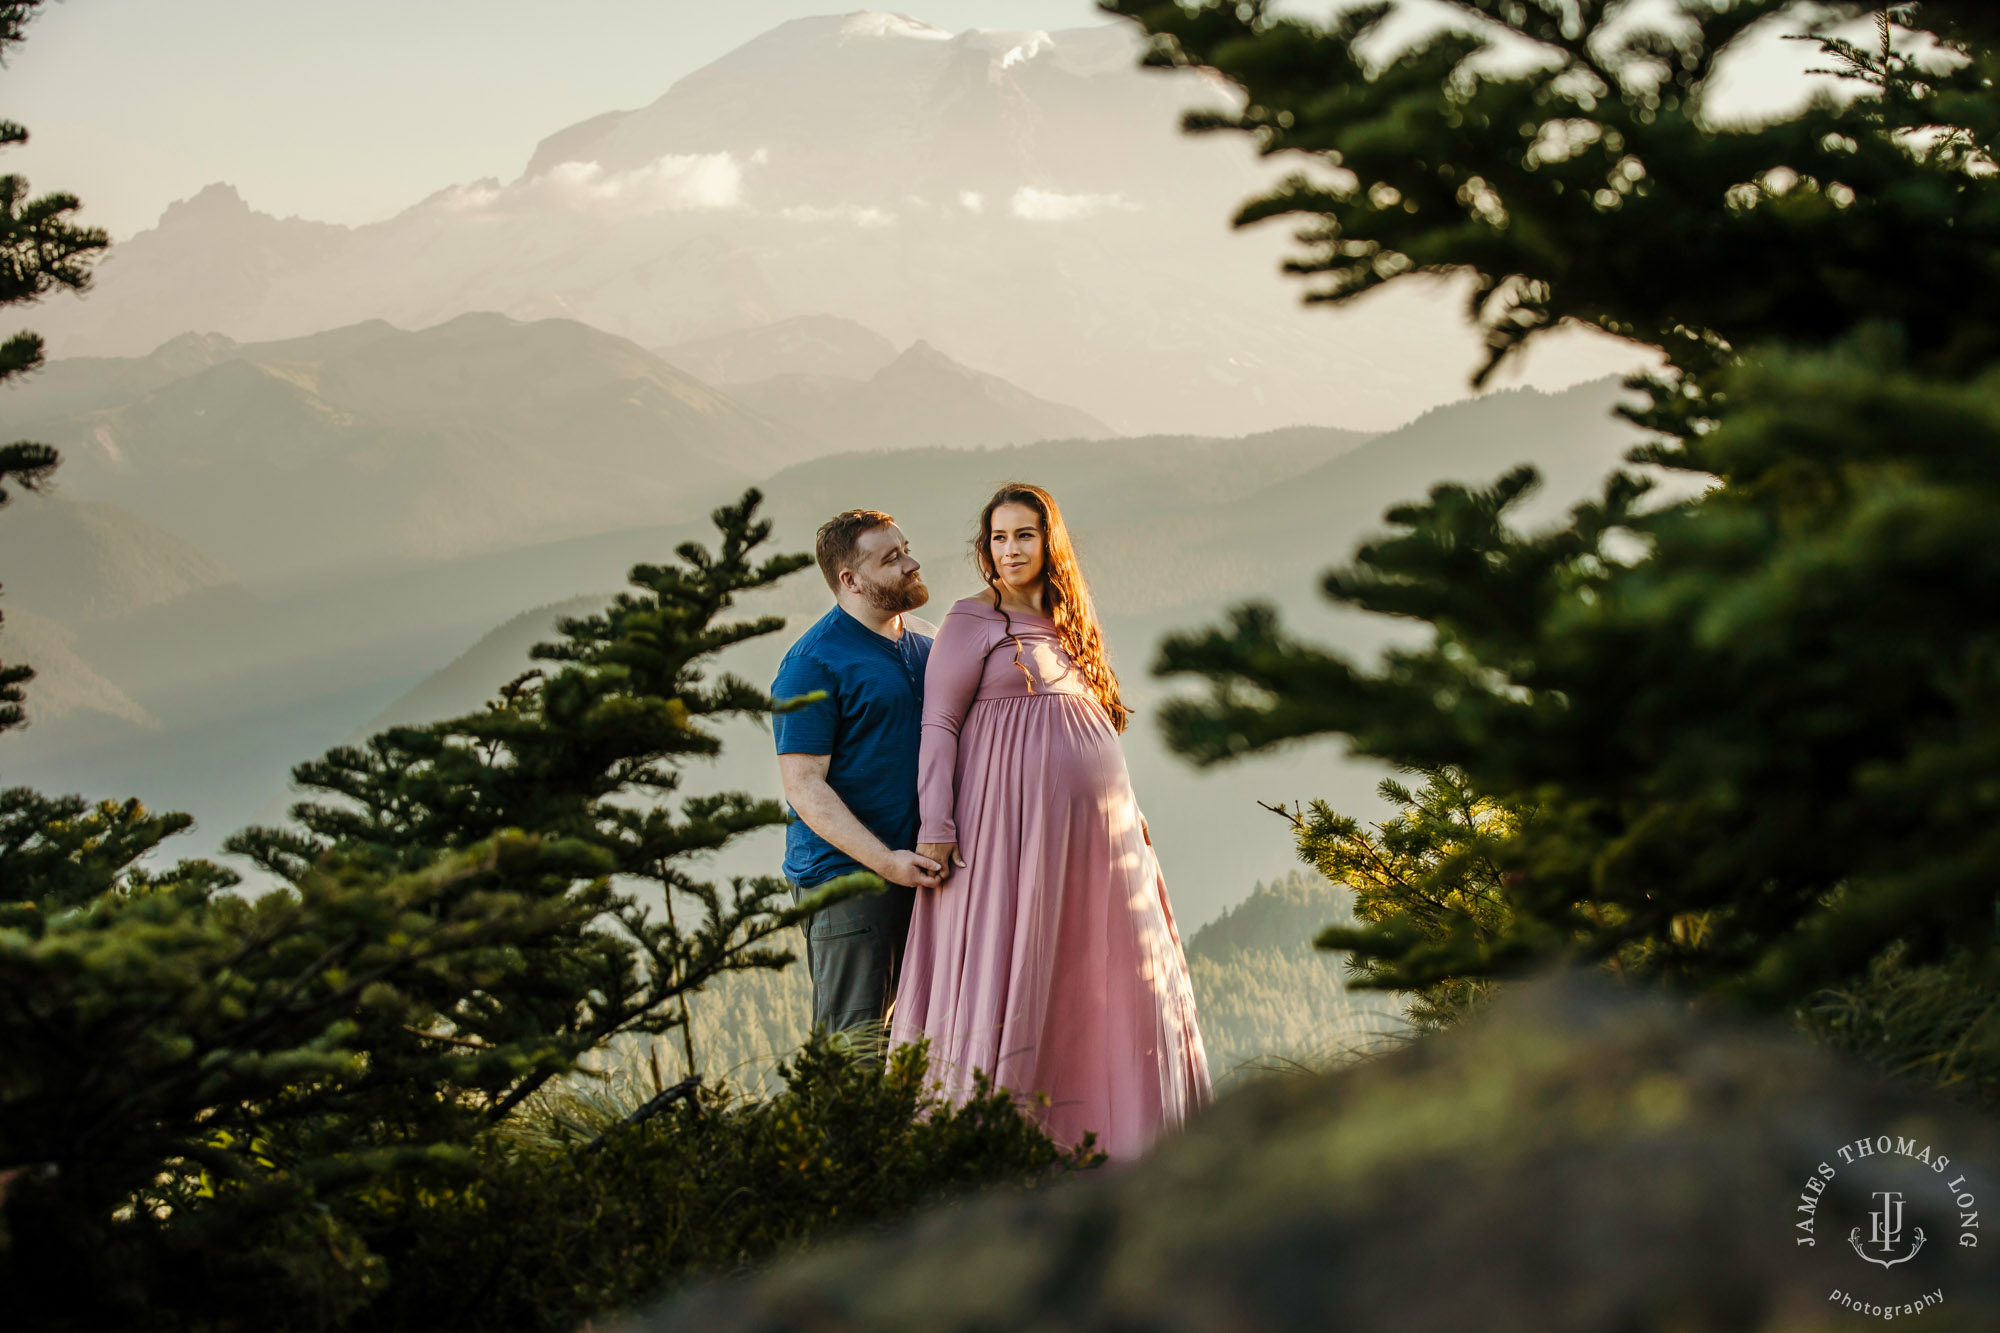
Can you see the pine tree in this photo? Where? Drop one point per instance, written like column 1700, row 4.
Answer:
column 1759, row 726
column 1431, row 872
column 199, row 1090
column 590, row 758
column 41, row 250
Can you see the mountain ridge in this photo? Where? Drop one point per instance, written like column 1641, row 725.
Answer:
column 370, row 444
column 920, row 397
column 802, row 345
column 1023, row 198
column 78, row 561
column 345, row 446
column 66, row 688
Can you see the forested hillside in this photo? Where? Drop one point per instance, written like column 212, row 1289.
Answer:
column 1270, row 1001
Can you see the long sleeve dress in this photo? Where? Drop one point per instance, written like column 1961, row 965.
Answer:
column 1051, row 960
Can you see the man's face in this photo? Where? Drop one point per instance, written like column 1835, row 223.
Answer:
column 886, row 572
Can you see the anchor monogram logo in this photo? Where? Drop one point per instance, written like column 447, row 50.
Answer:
column 1885, row 1231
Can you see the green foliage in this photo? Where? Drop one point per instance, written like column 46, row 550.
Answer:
column 1430, row 873
column 1757, row 726
column 1591, row 185
column 541, row 1238
column 28, row 466
column 199, row 1090
column 41, row 250
column 41, row 247
column 1935, row 1024
column 588, row 756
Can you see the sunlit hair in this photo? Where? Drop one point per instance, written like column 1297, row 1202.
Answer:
column 1065, row 592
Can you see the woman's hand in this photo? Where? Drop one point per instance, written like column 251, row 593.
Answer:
column 945, row 854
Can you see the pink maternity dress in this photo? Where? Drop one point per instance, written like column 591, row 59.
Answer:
column 1051, row 960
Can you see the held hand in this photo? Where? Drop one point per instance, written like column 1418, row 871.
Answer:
column 945, row 854
column 913, row 870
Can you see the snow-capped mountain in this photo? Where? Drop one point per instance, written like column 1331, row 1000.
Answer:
column 1023, row 201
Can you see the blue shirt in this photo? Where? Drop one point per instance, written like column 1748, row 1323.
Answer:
column 869, row 723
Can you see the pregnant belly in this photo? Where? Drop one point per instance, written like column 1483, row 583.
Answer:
column 1052, row 754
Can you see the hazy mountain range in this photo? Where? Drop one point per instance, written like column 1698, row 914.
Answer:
column 1023, row 201
column 922, row 397
column 71, row 566
column 215, row 690
column 368, row 445
column 802, row 345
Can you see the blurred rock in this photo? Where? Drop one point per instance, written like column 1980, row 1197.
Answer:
column 1579, row 1158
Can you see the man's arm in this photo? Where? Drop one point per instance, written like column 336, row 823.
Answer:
column 804, row 777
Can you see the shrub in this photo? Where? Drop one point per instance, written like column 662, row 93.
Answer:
column 544, row 1233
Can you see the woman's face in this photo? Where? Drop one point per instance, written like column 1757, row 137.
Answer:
column 1014, row 540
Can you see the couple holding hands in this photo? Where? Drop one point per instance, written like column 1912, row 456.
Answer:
column 977, row 768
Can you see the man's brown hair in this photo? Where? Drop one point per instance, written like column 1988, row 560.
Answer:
column 838, row 537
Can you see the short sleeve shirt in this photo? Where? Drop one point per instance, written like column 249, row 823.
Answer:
column 870, row 724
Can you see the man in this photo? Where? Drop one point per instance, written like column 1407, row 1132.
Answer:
column 849, row 763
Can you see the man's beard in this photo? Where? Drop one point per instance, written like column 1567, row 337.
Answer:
column 894, row 599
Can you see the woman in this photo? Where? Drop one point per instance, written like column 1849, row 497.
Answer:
column 1049, row 959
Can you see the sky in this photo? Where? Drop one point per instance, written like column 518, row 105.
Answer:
column 351, row 112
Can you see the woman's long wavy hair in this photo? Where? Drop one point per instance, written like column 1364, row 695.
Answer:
column 1065, row 592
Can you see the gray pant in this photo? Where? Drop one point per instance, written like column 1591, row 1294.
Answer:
column 853, row 951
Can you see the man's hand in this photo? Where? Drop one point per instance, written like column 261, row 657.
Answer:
column 827, row 815
column 945, row 854
column 913, row 870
